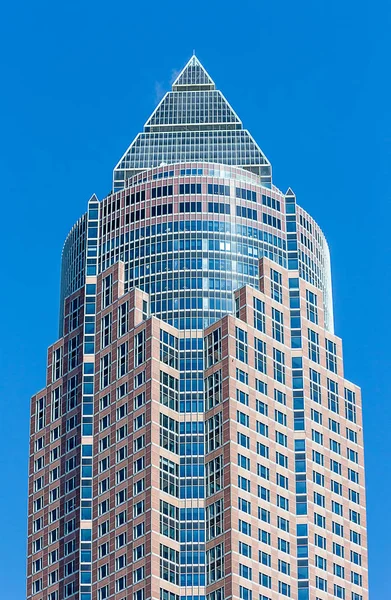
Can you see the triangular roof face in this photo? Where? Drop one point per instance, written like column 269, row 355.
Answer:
column 192, row 123
column 193, row 76
column 191, row 108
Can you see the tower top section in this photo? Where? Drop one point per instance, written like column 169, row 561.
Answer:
column 193, row 77
column 192, row 123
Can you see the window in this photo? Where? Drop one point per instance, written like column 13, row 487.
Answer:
column 213, row 390
column 122, row 319
column 284, row 588
column 279, row 365
column 245, row 571
column 315, row 386
column 242, row 397
column 122, row 360
column 353, row 476
column 169, row 520
column 73, row 345
column 352, row 455
column 245, row 593
column 219, row 190
column 169, row 390
column 264, row 514
column 312, row 306
column 169, row 564
column 169, row 430
column 241, row 345
column 214, row 475
column 168, row 349
column 56, row 403
column 283, row 524
column 332, row 395
column 260, row 355
column 278, row 325
column 321, row 584
column 213, row 348
column 139, row 348
column 331, row 356
column 259, row 314
column 243, row 440
column 280, row 397
column 169, row 473
column 105, row 371
column 57, row 364
column 281, row 460
column 275, row 283
column 107, row 291
column 244, row 484
column 335, row 466
column 244, row 527
column 73, row 318
column 242, row 376
column 317, row 437
column 339, row 592
column 350, row 405
column 214, row 431
column 40, row 420
column 106, row 330
column 313, row 346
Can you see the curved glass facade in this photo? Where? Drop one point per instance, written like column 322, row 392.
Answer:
column 190, row 234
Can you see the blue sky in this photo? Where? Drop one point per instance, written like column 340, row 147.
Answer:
column 311, row 82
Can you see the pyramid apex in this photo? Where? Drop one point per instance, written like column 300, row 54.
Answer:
column 193, row 77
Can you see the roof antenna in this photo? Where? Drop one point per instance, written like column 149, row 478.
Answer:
column 193, row 52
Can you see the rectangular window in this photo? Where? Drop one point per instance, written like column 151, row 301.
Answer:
column 313, row 346
column 332, row 395
column 279, row 365
column 105, row 371
column 169, row 349
column 122, row 319
column 57, row 364
column 276, row 284
column 214, row 475
column 213, row 390
column 278, row 325
column 139, row 348
column 213, row 348
column 106, row 330
column 260, row 355
column 331, row 356
column 40, row 420
column 56, row 403
column 350, row 405
column 259, row 314
column 312, row 306
column 169, row 390
column 122, row 360
column 107, row 291
column 241, row 345
column 73, row 346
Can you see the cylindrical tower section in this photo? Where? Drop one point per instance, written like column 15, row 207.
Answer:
column 190, row 234
column 72, row 264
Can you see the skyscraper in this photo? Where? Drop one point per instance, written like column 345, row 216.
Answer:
column 196, row 436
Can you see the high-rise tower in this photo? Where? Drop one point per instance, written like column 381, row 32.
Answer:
column 196, row 437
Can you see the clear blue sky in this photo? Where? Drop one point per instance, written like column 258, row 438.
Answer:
column 310, row 79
